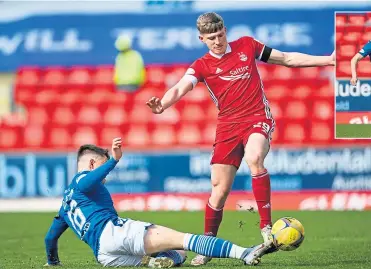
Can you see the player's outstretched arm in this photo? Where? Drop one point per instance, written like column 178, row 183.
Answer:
column 353, row 66
column 51, row 240
column 172, row 96
column 88, row 181
column 296, row 59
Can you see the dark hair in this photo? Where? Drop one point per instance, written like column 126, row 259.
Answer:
column 92, row 149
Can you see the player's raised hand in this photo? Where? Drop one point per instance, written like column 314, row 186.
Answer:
column 155, row 104
column 116, row 148
column 353, row 81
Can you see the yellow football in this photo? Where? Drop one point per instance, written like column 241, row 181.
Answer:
column 288, row 233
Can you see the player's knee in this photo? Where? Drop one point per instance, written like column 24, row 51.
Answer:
column 220, row 192
column 255, row 159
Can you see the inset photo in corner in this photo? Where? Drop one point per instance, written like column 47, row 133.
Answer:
column 353, row 75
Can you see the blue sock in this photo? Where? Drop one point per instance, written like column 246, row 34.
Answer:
column 214, row 247
column 172, row 254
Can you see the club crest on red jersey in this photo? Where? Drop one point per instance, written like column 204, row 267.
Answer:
column 243, row 56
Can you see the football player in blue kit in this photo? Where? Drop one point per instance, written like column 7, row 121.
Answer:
column 87, row 208
column 364, row 52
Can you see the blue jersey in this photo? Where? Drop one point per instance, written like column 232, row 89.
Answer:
column 86, row 208
column 366, row 50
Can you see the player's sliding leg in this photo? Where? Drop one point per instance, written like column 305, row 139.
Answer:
column 222, row 177
column 159, row 238
column 256, row 149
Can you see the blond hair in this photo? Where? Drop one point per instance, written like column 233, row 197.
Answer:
column 209, row 23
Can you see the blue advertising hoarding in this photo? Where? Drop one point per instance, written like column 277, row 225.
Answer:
column 88, row 39
column 40, row 175
column 353, row 98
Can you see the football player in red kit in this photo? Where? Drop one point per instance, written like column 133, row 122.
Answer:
column 245, row 123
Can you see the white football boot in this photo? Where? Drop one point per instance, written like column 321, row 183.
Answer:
column 252, row 258
column 200, row 260
column 160, row 262
column 266, row 233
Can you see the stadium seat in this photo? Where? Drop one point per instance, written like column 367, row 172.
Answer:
column 108, row 133
column 84, row 135
column 28, row 76
column 59, row 138
column 323, row 109
column 343, row 69
column 321, row 132
column 115, row 115
column 357, row 20
column 54, row 76
column 163, row 135
column 276, row 109
column 63, row 115
column 282, row 73
column 11, row 137
column 301, row 91
column 364, row 68
column 37, row 115
column 341, row 20
column 189, row 134
column 141, row 114
column 155, row 76
column 79, row 75
column 208, row 134
column 366, row 36
column 192, row 112
column 138, row 136
column 89, row 115
column 170, row 115
column 294, row 132
column 103, row 75
column 347, row 51
column 296, row 109
column 34, row 136
column 353, row 36
column 339, row 36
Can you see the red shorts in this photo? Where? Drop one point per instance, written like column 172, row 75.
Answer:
column 231, row 139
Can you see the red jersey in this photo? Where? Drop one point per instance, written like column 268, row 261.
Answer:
column 233, row 81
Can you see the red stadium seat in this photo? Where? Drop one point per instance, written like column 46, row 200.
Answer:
column 341, row 19
column 321, row 132
column 37, row 115
column 59, row 138
column 339, row 36
column 343, row 69
column 170, row 115
column 323, row 109
column 89, row 115
column 141, row 113
column 11, row 137
column 208, row 134
column 364, row 68
column 296, row 110
column 155, row 76
column 353, row 36
column 282, row 73
column 189, row 134
column 211, row 112
column 192, row 112
column 294, row 132
column 103, row 75
column 276, row 109
column 34, row 136
column 54, row 76
column 163, row 135
column 27, row 76
column 107, row 134
column 357, row 19
column 301, row 91
column 366, row 35
column 347, row 51
column 115, row 115
column 79, row 75
column 63, row 116
column 84, row 135
column 138, row 136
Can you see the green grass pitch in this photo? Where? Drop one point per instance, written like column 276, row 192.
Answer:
column 333, row 239
column 353, row 130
